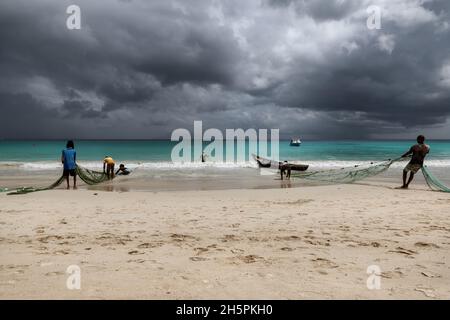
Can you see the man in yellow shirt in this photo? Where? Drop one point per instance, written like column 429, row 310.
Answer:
column 108, row 166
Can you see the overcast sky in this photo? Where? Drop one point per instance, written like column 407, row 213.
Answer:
column 140, row 69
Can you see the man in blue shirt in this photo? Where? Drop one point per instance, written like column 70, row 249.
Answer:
column 68, row 158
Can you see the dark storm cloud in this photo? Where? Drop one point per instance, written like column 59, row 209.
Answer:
column 81, row 109
column 23, row 116
column 126, row 92
column 399, row 86
column 439, row 7
column 139, row 69
column 201, row 58
column 321, row 9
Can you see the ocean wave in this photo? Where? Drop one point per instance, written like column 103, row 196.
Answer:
column 164, row 165
column 10, row 164
column 167, row 165
column 330, row 164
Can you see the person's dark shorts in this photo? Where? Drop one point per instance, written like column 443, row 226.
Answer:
column 413, row 167
column 68, row 172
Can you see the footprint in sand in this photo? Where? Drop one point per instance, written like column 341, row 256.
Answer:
column 372, row 244
column 324, row 263
column 136, row 261
column 133, row 252
column 40, row 230
column 198, row 259
column 61, row 252
column 396, row 273
column 289, row 238
column 200, row 250
column 14, row 266
column 430, row 274
column 55, row 273
column 150, row 245
column 42, row 250
column 404, row 251
column 428, row 292
column 229, row 237
column 46, row 239
column 426, row 245
column 251, row 258
column 182, row 237
column 109, row 239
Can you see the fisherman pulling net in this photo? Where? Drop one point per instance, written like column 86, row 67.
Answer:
column 360, row 172
column 417, row 154
column 89, row 177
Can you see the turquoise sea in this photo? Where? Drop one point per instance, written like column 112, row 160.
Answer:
column 154, row 153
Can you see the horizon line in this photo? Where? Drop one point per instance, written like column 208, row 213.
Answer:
column 145, row 139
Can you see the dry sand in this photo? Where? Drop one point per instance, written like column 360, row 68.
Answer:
column 298, row 243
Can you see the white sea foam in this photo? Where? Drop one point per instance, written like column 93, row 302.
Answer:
column 341, row 163
column 166, row 165
column 52, row 165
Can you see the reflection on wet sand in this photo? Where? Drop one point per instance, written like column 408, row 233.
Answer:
column 110, row 187
column 285, row 184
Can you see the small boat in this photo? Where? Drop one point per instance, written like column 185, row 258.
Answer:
column 267, row 163
column 296, row 142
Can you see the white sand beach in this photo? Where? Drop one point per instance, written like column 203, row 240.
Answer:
column 298, row 243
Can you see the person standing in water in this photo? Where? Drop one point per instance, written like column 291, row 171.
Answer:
column 108, row 166
column 68, row 159
column 418, row 152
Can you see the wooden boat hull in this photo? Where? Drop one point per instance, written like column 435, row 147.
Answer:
column 296, row 167
column 267, row 163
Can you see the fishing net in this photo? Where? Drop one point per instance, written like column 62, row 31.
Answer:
column 24, row 190
column 90, row 177
column 356, row 173
column 347, row 174
column 433, row 182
